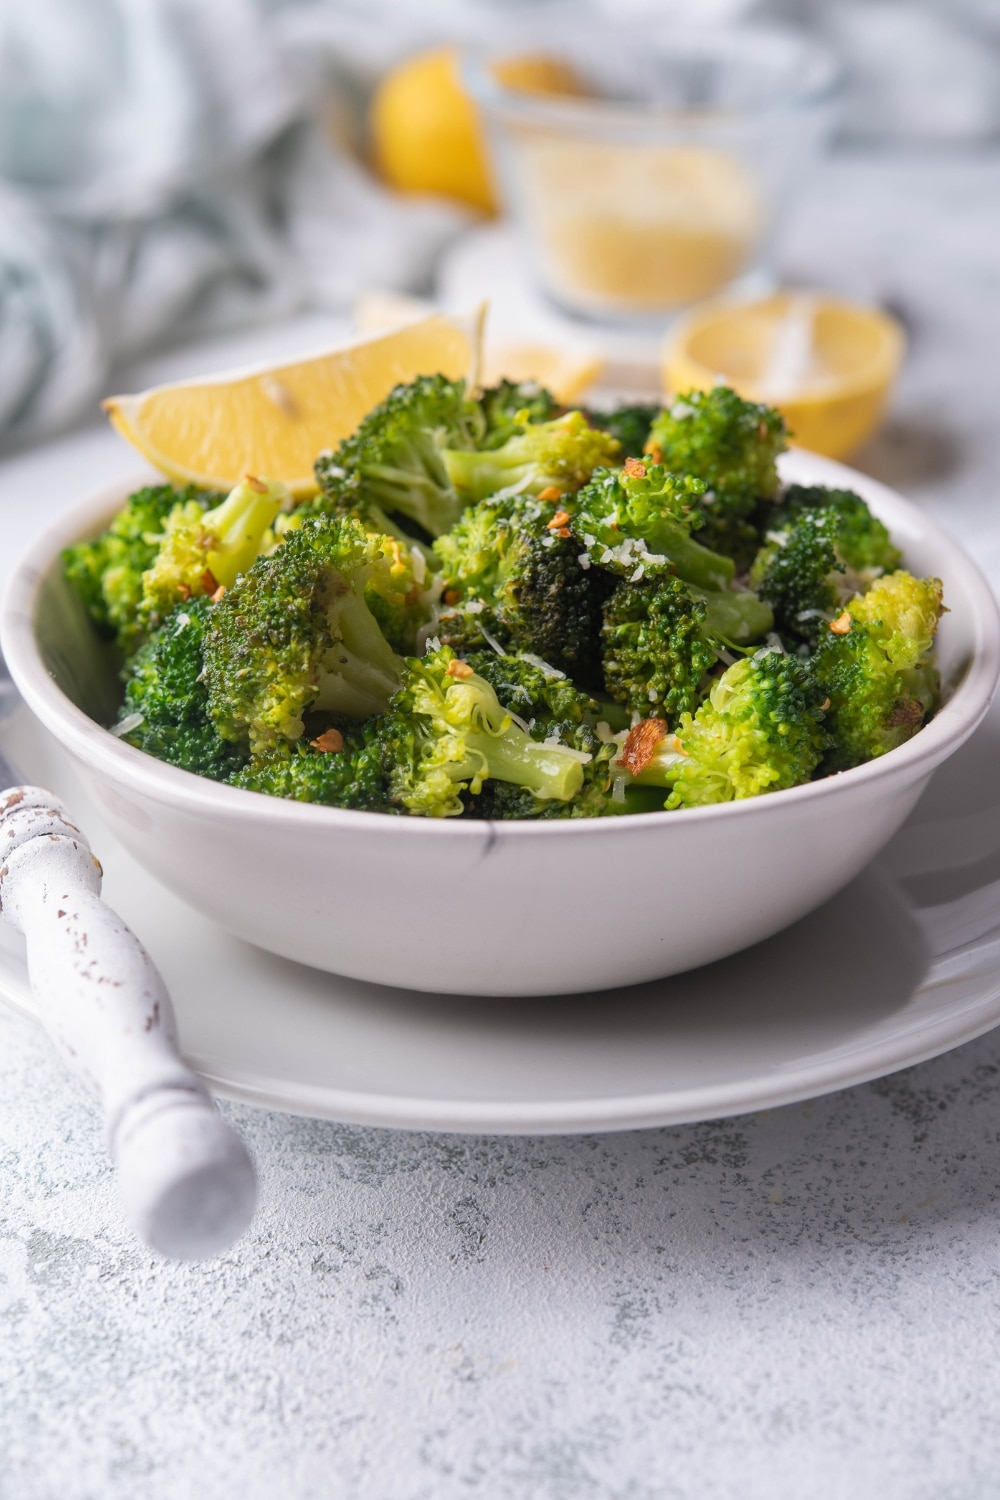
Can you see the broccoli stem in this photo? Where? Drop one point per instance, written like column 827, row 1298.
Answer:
column 359, row 672
column 238, row 526
column 694, row 563
column 737, row 617
column 546, row 770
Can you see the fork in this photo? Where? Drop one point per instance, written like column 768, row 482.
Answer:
column 186, row 1179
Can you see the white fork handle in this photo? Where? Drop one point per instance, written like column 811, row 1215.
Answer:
column 186, row 1179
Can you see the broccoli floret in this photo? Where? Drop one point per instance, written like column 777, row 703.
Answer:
column 296, row 632
column 730, row 444
column 822, row 547
column 166, row 710
column 391, row 471
column 512, row 573
column 656, row 652
column 507, row 406
column 342, row 767
column 540, row 457
column 203, row 549
column 638, row 520
column 874, row 665
column 862, row 540
column 629, row 424
column 534, row 690
column 759, row 730
column 446, row 734
column 108, row 572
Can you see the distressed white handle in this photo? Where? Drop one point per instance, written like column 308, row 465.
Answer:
column 186, row 1179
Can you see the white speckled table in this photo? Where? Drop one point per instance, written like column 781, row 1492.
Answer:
column 805, row 1302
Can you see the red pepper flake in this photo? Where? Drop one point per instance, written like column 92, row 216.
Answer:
column 634, row 468
column 452, row 596
column 329, row 742
column 209, row 582
column 641, row 744
column 655, row 453
column 551, row 492
column 184, row 591
column 218, row 593
column 559, row 519
column 563, row 531
column 842, row 624
column 459, row 669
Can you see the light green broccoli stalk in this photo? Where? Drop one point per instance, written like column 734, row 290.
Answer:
column 204, row 550
column 446, row 734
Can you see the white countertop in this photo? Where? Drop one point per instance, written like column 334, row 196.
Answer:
column 798, row 1303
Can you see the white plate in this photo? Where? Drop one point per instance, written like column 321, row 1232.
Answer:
column 904, row 964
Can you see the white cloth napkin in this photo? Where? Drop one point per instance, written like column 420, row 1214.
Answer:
column 163, row 170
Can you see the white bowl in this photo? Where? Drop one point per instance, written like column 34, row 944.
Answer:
column 495, row 908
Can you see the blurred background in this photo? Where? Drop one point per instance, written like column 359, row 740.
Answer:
column 182, row 184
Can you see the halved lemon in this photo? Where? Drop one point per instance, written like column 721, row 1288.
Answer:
column 829, row 366
column 273, row 420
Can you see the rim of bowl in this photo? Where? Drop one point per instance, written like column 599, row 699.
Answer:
column 818, row 81
column 104, row 753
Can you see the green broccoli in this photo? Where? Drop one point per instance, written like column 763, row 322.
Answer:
column 823, row 547
column 296, row 633
column 203, row 550
column 166, row 710
column 629, row 424
column 759, row 730
column 657, row 653
column 512, row 573
column 508, row 405
column 730, row 444
column 342, row 767
column 540, row 458
column 108, row 572
column 875, row 668
column 639, row 519
column 446, row 734
column 391, row 472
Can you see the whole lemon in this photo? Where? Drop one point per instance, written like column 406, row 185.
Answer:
column 426, row 134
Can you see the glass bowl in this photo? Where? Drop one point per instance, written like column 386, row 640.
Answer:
column 647, row 178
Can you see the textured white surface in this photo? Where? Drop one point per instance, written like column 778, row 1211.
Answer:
column 802, row 1303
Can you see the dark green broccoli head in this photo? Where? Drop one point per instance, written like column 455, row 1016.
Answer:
column 108, row 572
column 166, row 710
column 630, row 425
column 656, row 654
column 639, row 520
column 507, row 406
column 512, row 568
column 391, row 471
column 862, row 541
column 446, row 734
column 296, row 632
column 341, row 767
column 532, row 689
column 730, row 444
column 821, row 548
column 540, row 458
column 759, row 730
column 875, row 668
column 800, row 574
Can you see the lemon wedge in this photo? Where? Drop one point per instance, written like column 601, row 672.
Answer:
column 273, row 420
column 829, row 366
